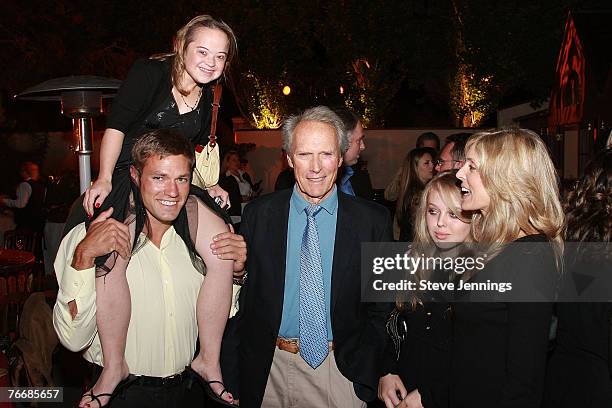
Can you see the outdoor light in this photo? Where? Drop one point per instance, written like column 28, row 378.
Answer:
column 81, row 99
column 286, row 90
column 341, row 90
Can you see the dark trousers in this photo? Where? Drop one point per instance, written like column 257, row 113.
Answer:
column 136, row 395
column 154, row 397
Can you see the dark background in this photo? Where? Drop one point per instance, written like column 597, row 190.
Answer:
column 397, row 61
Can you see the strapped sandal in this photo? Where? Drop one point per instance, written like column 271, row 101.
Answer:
column 209, row 391
column 120, row 388
column 96, row 398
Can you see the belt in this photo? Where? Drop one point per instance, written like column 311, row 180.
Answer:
column 293, row 345
column 171, row 381
column 146, row 381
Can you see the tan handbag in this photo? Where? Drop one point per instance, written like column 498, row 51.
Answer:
column 207, row 163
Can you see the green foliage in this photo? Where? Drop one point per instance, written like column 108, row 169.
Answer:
column 514, row 42
column 314, row 47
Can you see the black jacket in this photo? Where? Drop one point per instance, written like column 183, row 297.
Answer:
column 499, row 348
column 32, row 215
column 359, row 328
column 360, row 181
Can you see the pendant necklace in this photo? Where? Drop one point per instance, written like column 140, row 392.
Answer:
column 196, row 102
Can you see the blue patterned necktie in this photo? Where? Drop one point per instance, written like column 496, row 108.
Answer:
column 345, row 184
column 313, row 324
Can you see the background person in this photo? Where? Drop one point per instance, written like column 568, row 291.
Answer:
column 245, row 173
column 452, row 155
column 353, row 180
column 425, row 140
column 285, row 178
column 428, row 139
column 29, row 198
column 417, row 170
column 232, row 182
column 579, row 370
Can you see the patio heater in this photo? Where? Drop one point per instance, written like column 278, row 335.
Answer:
column 81, row 100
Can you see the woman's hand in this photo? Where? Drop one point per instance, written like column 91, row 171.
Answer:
column 96, row 194
column 389, row 387
column 412, row 400
column 110, row 148
column 216, row 191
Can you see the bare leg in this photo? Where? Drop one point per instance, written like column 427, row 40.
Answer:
column 212, row 306
column 113, row 311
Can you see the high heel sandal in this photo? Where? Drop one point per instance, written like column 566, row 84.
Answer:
column 193, row 375
column 119, row 389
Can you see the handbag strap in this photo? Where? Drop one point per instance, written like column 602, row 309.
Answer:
column 215, row 110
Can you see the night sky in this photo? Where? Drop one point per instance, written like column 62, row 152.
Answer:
column 412, row 46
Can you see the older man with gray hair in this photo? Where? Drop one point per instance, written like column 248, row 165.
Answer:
column 306, row 339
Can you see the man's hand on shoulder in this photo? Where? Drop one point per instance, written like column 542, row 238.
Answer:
column 104, row 236
column 229, row 245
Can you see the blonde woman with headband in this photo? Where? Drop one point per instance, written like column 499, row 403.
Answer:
column 418, row 366
column 168, row 91
column 499, row 347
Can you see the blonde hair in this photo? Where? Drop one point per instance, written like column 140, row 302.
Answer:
column 521, row 181
column 445, row 184
column 184, row 36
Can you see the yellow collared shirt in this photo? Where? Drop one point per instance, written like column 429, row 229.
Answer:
column 164, row 287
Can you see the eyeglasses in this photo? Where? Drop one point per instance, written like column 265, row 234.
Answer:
column 441, row 162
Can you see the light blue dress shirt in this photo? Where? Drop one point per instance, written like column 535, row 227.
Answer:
column 326, row 226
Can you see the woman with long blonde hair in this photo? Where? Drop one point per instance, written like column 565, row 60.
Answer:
column 499, row 347
column 417, row 370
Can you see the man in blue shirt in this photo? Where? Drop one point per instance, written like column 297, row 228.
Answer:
column 305, row 338
column 353, row 179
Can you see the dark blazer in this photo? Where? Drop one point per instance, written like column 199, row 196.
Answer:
column 358, row 328
column 360, row 181
column 285, row 179
column 32, row 216
column 229, row 184
column 424, row 359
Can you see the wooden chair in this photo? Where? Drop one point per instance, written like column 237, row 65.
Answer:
column 21, row 239
column 16, row 284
